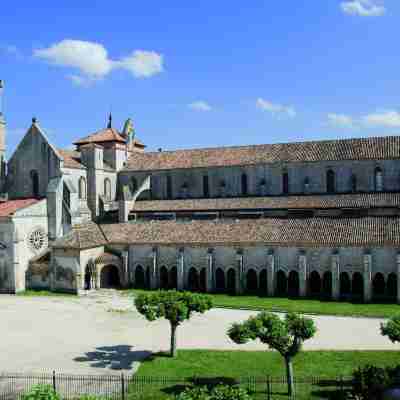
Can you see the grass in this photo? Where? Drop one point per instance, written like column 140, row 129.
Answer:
column 304, row 306
column 45, row 293
column 240, row 364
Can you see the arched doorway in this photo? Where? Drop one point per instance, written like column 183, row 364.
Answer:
column 327, row 285
column 173, row 278
column 358, row 286
column 203, row 280
column 391, row 286
column 281, row 284
column 251, row 281
column 293, row 284
column 231, row 278
column 219, row 280
column 109, row 277
column 90, row 276
column 378, row 286
column 193, row 279
column 314, row 284
column 139, row 277
column 163, row 278
column 330, row 181
column 345, row 285
column 263, row 285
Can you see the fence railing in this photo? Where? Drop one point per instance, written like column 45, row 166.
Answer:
column 127, row 387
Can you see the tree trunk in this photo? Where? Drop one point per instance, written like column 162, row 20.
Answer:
column 173, row 351
column 289, row 375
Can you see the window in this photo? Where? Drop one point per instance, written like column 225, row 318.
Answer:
column 306, row 185
column 263, row 187
column 378, row 179
column 169, row 187
column 35, row 183
column 107, row 189
column 206, row 188
column 330, row 181
column 353, row 183
column 222, row 188
column 244, row 185
column 184, row 190
column 133, row 185
column 37, row 240
column 285, row 183
column 82, row 188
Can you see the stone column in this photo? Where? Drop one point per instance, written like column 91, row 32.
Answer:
column 398, row 277
column 240, row 273
column 125, row 266
column 271, row 274
column 302, row 274
column 210, row 286
column 154, row 282
column 367, row 261
column 335, row 266
column 180, row 269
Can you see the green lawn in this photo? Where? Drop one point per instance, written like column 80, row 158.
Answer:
column 299, row 305
column 241, row 364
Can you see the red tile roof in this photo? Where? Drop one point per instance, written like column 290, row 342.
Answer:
column 105, row 135
column 72, row 159
column 9, row 207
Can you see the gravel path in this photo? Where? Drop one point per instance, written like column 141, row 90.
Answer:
column 102, row 333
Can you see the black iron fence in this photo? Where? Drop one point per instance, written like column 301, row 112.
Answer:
column 126, row 387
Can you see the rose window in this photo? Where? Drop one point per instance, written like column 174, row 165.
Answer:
column 37, row 239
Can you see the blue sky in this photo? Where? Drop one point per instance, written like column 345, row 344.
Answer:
column 202, row 73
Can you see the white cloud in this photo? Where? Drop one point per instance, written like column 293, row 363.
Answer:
column 200, row 106
column 388, row 119
column 363, row 8
column 340, row 120
column 93, row 63
column 275, row 109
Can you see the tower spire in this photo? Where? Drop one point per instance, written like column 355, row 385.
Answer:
column 109, row 126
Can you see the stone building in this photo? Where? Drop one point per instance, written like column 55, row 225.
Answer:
column 318, row 219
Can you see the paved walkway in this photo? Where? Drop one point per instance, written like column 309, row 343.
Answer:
column 102, row 333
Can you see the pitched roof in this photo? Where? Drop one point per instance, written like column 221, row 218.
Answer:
column 104, row 135
column 373, row 148
column 9, row 207
column 72, row 158
column 362, row 200
column 313, row 232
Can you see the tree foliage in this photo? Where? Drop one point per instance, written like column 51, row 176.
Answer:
column 391, row 329
column 174, row 306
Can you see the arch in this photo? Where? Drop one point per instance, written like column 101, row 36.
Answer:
column 330, row 181
column 206, row 187
column 133, row 185
column 314, row 284
column 378, row 179
column 169, row 187
column 231, row 281
column 293, row 284
column 82, row 188
column 378, row 286
column 345, row 285
column 90, row 275
column 285, row 183
column 107, row 189
column 35, row 183
column 244, row 184
column 357, row 286
column 173, row 278
column 327, row 285
column 193, row 279
column 353, row 183
column 391, row 286
column 306, row 185
column 140, row 280
column 109, row 277
column 263, row 282
column 251, row 281
column 163, row 277
column 203, row 280
column 281, row 283
column 219, row 280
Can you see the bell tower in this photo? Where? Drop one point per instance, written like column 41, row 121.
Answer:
column 2, row 141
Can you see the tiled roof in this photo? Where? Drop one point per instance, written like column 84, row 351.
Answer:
column 82, row 236
column 374, row 148
column 72, row 159
column 366, row 200
column 313, row 232
column 105, row 135
column 9, row 207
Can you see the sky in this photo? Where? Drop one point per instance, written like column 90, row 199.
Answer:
column 202, row 73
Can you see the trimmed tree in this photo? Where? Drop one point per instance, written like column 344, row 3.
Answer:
column 174, row 306
column 284, row 335
column 391, row 329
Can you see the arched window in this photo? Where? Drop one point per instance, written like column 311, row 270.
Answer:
column 306, row 185
column 206, row 188
column 353, row 183
column 222, row 188
column 107, row 189
column 133, row 185
column 285, row 183
column 169, row 187
column 82, row 188
column 263, row 187
column 244, row 185
column 378, row 179
column 35, row 183
column 330, row 181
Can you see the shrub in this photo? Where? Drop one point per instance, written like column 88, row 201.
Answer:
column 369, row 382
column 221, row 392
column 41, row 392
